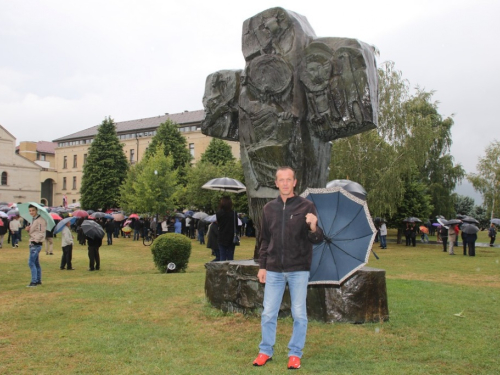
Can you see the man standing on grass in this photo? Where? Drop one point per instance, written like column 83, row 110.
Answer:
column 37, row 235
column 289, row 228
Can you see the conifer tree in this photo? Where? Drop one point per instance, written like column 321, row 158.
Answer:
column 105, row 169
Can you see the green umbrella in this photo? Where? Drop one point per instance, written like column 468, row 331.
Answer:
column 25, row 213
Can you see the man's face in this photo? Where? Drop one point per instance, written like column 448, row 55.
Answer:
column 285, row 181
column 33, row 211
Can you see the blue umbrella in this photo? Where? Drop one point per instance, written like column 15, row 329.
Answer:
column 62, row 223
column 349, row 234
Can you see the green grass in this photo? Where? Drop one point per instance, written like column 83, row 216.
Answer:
column 130, row 319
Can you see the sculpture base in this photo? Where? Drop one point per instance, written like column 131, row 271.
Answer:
column 233, row 287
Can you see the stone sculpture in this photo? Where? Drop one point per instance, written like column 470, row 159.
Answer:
column 296, row 94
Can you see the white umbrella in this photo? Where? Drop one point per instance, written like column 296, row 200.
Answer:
column 225, row 184
column 3, row 214
column 199, row 215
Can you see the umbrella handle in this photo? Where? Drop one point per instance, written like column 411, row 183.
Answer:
column 374, row 253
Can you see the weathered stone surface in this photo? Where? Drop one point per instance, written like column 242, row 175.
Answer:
column 234, row 287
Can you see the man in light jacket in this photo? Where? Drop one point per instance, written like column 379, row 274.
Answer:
column 37, row 235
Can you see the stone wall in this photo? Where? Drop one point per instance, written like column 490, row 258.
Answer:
column 234, row 287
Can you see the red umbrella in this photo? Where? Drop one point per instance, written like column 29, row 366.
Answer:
column 134, row 216
column 80, row 213
column 55, row 216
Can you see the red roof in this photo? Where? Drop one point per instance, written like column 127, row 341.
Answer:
column 46, row 147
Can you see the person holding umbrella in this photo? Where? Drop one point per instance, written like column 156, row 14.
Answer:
column 37, row 230
column 492, row 234
column 289, row 229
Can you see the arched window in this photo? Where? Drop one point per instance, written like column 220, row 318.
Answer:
column 4, row 178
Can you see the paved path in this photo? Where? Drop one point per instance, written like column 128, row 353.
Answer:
column 478, row 244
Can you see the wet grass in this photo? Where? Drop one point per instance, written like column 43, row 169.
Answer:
column 130, row 319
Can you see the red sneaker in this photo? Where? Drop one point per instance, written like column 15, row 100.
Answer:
column 261, row 360
column 293, row 363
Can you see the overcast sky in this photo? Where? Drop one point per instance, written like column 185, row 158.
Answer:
column 65, row 65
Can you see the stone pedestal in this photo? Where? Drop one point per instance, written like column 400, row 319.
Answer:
column 233, row 287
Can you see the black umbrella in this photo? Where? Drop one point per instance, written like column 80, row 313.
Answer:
column 469, row 229
column 352, row 187
column 92, row 229
column 412, row 220
column 452, row 221
column 98, row 215
column 468, row 219
column 227, row 184
column 349, row 235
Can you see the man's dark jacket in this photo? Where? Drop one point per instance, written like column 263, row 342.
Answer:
column 286, row 241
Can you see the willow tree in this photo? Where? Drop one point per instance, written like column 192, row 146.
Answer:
column 387, row 159
column 105, row 169
column 487, row 179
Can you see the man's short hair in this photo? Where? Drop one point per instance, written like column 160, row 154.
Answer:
column 31, row 206
column 284, row 168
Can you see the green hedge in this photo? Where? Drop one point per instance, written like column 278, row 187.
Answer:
column 171, row 248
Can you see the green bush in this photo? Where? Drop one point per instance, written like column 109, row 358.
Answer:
column 171, row 248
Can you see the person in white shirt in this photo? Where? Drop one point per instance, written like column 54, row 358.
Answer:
column 67, row 247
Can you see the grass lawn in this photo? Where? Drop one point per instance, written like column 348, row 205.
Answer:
column 130, row 319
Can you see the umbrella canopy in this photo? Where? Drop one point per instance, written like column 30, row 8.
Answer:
column 349, row 234
column 118, row 216
column 469, row 229
column 4, row 208
column 55, row 216
column 210, row 219
column 495, row 221
column 134, row 216
column 352, row 187
column 436, row 224
column 98, row 215
column 62, row 223
column 412, row 220
column 80, row 213
column 189, row 213
column 470, row 220
column 453, row 222
column 179, row 215
column 443, row 222
column 3, row 214
column 126, row 229
column 199, row 215
column 25, row 213
column 90, row 212
column 423, row 229
column 109, row 216
column 227, row 184
column 92, row 229
column 13, row 212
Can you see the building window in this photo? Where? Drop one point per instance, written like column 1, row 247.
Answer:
column 64, row 182
column 75, row 158
column 74, row 182
column 191, row 149
column 4, row 178
column 84, row 159
column 65, row 162
column 132, row 154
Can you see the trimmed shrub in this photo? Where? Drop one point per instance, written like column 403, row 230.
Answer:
column 171, row 248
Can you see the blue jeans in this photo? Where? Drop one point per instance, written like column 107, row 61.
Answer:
column 383, row 241
column 226, row 252
column 136, row 234
column 273, row 294
column 34, row 263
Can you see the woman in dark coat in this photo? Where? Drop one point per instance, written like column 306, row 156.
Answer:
column 212, row 240
column 227, row 221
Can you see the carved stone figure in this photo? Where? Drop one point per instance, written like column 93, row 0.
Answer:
column 296, row 94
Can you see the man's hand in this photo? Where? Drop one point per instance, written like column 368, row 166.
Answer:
column 262, row 275
column 312, row 221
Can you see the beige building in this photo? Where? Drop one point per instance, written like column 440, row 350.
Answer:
column 42, row 153
column 20, row 177
column 72, row 150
